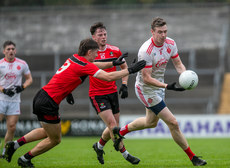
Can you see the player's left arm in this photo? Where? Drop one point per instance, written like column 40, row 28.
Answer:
column 28, row 80
column 103, row 65
column 178, row 65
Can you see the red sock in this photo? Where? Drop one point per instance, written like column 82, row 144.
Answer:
column 189, row 153
column 124, row 130
column 102, row 142
column 122, row 149
column 21, row 141
column 28, row 155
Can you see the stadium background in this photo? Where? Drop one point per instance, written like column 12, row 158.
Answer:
column 47, row 35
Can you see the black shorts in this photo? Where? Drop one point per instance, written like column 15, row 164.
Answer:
column 46, row 108
column 105, row 102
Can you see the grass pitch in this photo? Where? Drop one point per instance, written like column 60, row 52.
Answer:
column 74, row 152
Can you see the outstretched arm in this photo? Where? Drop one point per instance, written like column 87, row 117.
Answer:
column 112, row 76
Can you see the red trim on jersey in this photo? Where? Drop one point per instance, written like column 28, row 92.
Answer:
column 168, row 41
column 19, row 60
column 95, row 104
column 175, row 56
column 155, row 44
column 141, row 96
column 9, row 61
column 148, row 66
column 150, row 48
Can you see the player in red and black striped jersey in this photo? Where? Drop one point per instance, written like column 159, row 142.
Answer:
column 104, row 96
column 47, row 100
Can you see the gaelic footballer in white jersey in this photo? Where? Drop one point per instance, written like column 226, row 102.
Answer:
column 11, row 74
column 156, row 57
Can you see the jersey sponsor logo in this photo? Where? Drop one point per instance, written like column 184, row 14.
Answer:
column 18, row 67
column 10, row 76
column 161, row 62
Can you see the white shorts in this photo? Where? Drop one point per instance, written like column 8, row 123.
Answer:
column 9, row 108
column 149, row 97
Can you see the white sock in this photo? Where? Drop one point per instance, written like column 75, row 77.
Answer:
column 24, row 159
column 16, row 145
column 125, row 154
column 100, row 146
column 3, row 151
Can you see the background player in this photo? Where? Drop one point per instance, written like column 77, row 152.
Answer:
column 12, row 70
column 103, row 94
column 150, row 87
column 46, row 102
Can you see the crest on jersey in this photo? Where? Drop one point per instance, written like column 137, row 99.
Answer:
column 102, row 55
column 102, row 105
column 168, row 50
column 111, row 53
column 18, row 67
column 150, row 100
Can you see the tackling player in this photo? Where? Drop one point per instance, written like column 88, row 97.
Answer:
column 150, row 87
column 103, row 94
column 46, row 102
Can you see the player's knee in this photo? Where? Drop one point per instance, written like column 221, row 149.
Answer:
column 56, row 141
column 151, row 124
column 173, row 124
column 11, row 128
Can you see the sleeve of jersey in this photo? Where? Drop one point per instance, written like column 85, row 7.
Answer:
column 92, row 70
column 174, row 52
column 142, row 55
column 26, row 69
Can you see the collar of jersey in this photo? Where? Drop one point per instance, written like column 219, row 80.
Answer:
column 155, row 44
column 9, row 61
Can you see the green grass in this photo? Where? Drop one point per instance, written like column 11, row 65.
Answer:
column 158, row 153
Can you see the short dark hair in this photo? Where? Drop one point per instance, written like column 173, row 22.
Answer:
column 86, row 45
column 7, row 43
column 95, row 26
column 157, row 22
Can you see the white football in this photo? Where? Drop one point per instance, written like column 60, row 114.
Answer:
column 188, row 79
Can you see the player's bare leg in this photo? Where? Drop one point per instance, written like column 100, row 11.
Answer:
column 178, row 136
column 34, row 135
column 11, row 121
column 53, row 132
column 1, row 142
column 172, row 123
column 149, row 121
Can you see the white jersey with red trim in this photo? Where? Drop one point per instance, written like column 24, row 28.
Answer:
column 156, row 57
column 11, row 74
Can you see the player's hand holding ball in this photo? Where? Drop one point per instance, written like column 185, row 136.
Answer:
column 174, row 87
column 188, row 80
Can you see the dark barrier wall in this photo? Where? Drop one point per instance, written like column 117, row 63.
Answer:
column 76, row 127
